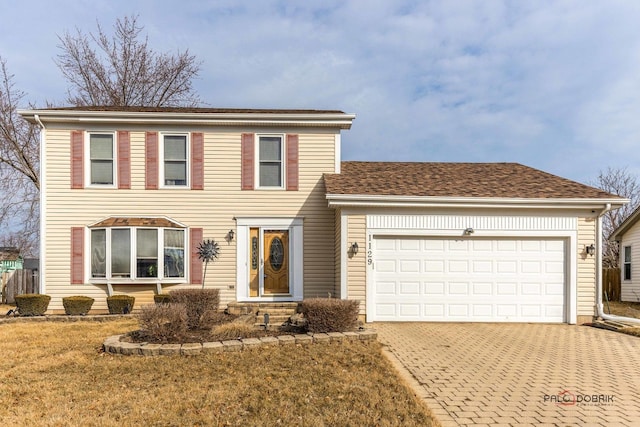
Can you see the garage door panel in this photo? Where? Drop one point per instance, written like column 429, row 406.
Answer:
column 469, row 280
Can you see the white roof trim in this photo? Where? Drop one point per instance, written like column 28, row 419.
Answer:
column 340, row 200
column 336, row 120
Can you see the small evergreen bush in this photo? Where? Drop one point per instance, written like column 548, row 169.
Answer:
column 162, row 298
column 32, row 304
column 77, row 305
column 201, row 305
column 120, row 304
column 330, row 314
column 163, row 323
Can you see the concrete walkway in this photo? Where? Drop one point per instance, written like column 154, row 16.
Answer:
column 519, row 374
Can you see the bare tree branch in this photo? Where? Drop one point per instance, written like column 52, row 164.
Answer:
column 122, row 70
column 620, row 182
column 19, row 171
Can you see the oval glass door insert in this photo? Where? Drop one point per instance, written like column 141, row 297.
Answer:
column 276, row 254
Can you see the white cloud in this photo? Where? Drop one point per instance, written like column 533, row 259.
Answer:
column 550, row 84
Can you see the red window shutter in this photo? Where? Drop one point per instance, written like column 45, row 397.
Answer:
column 77, row 255
column 196, row 264
column 292, row 162
column 77, row 161
column 197, row 161
column 124, row 160
column 151, row 154
column 248, row 165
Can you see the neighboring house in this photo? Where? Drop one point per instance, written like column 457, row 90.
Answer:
column 10, row 259
column 128, row 194
column 628, row 237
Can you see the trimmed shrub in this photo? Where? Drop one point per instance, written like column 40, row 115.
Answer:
column 201, row 304
column 32, row 304
column 163, row 323
column 234, row 330
column 162, row 298
column 120, row 304
column 330, row 315
column 77, row 305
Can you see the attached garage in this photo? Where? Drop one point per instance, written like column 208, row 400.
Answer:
column 468, row 279
column 467, row 242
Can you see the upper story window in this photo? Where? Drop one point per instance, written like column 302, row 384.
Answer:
column 101, row 159
column 137, row 253
column 175, row 164
column 627, row 263
column 270, row 162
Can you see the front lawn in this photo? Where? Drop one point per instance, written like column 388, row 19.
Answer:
column 54, row 374
column 626, row 309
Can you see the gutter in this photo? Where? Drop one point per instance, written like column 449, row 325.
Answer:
column 43, row 206
column 599, row 305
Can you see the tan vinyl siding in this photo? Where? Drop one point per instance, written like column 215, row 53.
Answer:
column 630, row 289
column 212, row 209
column 356, row 264
column 586, row 275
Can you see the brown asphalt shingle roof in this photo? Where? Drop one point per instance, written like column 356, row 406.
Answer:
column 491, row 180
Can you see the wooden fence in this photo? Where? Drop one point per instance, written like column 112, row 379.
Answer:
column 19, row 282
column 611, row 284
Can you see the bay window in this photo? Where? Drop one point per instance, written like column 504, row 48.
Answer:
column 137, row 253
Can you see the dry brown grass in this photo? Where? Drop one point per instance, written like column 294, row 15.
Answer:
column 627, row 309
column 53, row 374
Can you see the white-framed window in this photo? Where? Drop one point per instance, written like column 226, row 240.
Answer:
column 138, row 253
column 270, row 162
column 101, row 159
column 174, row 165
column 626, row 266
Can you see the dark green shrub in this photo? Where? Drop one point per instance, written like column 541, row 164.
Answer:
column 32, row 304
column 120, row 304
column 162, row 298
column 201, row 304
column 163, row 323
column 77, row 305
column 330, row 315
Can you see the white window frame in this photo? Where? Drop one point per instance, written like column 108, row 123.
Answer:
column 295, row 226
column 87, row 159
column 133, row 279
column 625, row 263
column 283, row 161
column 161, row 163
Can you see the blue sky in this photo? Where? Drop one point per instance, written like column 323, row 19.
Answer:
column 551, row 84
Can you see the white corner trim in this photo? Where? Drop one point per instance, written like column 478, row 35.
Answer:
column 337, row 155
column 344, row 229
column 43, row 207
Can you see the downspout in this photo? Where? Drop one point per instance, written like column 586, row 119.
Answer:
column 41, row 267
column 599, row 305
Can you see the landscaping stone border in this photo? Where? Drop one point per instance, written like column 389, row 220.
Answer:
column 114, row 345
column 65, row 318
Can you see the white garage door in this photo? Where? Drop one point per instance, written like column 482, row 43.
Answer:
column 502, row 280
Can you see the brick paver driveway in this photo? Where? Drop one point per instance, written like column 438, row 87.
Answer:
column 518, row 374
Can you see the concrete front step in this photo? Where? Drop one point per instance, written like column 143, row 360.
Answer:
column 260, row 308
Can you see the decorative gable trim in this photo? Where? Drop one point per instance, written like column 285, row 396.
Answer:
column 77, row 160
column 124, row 160
column 151, row 155
column 248, row 159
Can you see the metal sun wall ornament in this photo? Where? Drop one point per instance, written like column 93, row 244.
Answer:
column 208, row 250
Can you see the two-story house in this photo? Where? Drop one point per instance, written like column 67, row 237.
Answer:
column 128, row 194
